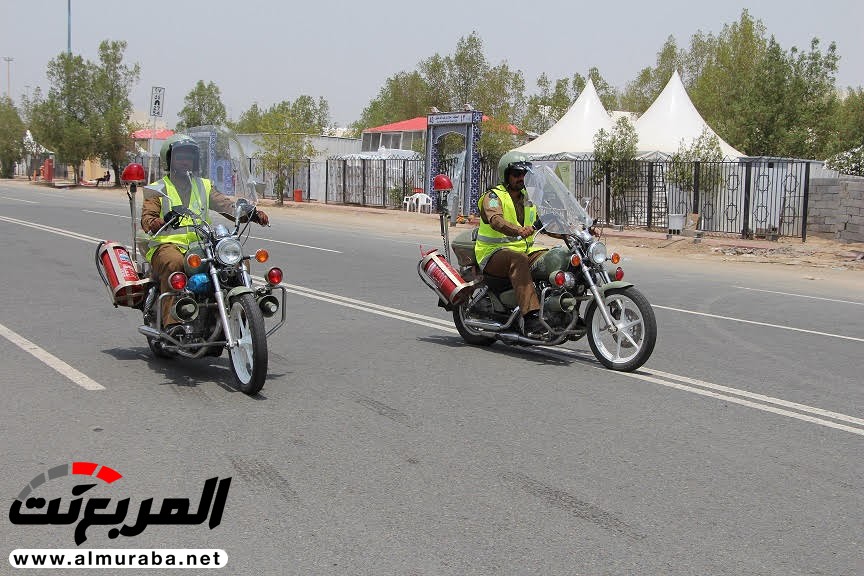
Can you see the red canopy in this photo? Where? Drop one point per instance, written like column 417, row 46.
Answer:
column 419, row 125
column 147, row 134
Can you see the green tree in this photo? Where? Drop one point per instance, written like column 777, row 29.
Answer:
column 848, row 121
column 63, row 121
column 11, row 137
column 705, row 150
column 112, row 105
column 284, row 139
column 613, row 153
column 249, row 122
column 641, row 92
column 546, row 107
column 203, row 106
column 450, row 83
column 605, row 91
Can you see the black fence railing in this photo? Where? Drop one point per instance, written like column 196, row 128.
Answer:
column 750, row 197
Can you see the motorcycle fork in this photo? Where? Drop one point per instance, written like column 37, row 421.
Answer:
column 220, row 304
column 601, row 304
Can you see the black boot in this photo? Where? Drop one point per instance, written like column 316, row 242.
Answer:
column 533, row 326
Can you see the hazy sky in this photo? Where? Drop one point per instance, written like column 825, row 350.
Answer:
column 268, row 51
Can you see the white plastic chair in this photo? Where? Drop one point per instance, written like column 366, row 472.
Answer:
column 423, row 202
column 407, row 203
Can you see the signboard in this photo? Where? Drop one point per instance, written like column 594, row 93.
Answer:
column 157, row 99
column 453, row 118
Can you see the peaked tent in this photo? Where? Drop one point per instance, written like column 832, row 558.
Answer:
column 574, row 132
column 671, row 119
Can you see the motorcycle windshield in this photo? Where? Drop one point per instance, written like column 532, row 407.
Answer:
column 557, row 208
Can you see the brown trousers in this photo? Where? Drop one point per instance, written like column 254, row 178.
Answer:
column 507, row 263
column 166, row 260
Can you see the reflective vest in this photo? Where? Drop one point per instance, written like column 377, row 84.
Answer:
column 199, row 202
column 490, row 241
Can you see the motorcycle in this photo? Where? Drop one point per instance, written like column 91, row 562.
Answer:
column 579, row 295
column 215, row 299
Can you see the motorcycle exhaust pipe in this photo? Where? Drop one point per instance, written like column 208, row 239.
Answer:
column 561, row 303
column 185, row 309
column 269, row 305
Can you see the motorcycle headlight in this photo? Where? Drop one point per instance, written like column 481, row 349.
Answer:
column 597, row 252
column 229, row 251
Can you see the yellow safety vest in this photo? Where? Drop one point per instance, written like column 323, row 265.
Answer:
column 199, row 202
column 490, row 241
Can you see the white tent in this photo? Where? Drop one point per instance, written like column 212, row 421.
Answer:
column 671, row 119
column 574, row 132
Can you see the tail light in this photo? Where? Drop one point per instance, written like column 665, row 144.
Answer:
column 177, row 280
column 274, row 276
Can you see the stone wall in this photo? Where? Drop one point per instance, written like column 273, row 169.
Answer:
column 837, row 207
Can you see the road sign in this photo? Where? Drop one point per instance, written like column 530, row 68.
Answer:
column 157, row 98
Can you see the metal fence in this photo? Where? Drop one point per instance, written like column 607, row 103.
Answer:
column 749, row 197
column 746, row 197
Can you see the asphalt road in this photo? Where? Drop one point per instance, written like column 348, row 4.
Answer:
column 381, row 444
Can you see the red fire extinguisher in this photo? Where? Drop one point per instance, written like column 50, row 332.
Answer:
column 117, row 270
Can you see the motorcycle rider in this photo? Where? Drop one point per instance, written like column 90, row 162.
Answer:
column 505, row 240
column 180, row 157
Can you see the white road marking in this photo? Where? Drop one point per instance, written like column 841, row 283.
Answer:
column 60, row 231
column 295, row 244
column 107, row 214
column 19, row 200
column 50, row 360
column 801, row 296
column 700, row 387
column 778, row 326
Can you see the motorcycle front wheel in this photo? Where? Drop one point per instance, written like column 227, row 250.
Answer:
column 631, row 346
column 249, row 356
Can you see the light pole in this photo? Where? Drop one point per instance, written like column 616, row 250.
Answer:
column 8, row 60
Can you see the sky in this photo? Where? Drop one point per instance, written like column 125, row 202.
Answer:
column 343, row 50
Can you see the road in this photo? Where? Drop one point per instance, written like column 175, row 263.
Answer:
column 381, row 444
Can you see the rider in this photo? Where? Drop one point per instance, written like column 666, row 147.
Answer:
column 183, row 186
column 505, row 239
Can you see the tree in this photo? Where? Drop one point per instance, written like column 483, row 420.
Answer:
column 11, row 137
column 848, row 121
column 605, row 91
column 612, row 153
column 63, row 120
column 641, row 92
column 113, row 107
column 285, row 129
column 451, row 83
column 706, row 151
column 203, row 106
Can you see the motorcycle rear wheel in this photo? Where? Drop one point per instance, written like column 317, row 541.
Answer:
column 631, row 346
column 470, row 335
column 249, row 356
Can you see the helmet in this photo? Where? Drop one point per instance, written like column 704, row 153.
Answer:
column 441, row 183
column 512, row 161
column 175, row 144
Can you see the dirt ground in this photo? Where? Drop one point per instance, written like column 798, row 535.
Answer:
column 817, row 252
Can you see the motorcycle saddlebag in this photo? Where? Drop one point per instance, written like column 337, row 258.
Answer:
column 463, row 248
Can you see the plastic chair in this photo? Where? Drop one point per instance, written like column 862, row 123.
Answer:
column 407, row 203
column 423, row 202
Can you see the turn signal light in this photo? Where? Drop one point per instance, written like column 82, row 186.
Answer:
column 274, row 276
column 615, row 258
column 177, row 280
column 575, row 260
column 261, row 255
column 193, row 260
column 619, row 273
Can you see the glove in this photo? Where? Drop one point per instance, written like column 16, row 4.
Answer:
column 261, row 218
column 156, row 224
column 593, row 231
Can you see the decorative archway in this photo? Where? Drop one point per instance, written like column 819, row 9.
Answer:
column 467, row 125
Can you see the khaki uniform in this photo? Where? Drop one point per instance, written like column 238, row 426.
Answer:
column 167, row 258
column 507, row 263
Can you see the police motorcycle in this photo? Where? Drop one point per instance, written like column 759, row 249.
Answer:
column 580, row 292
column 215, row 299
